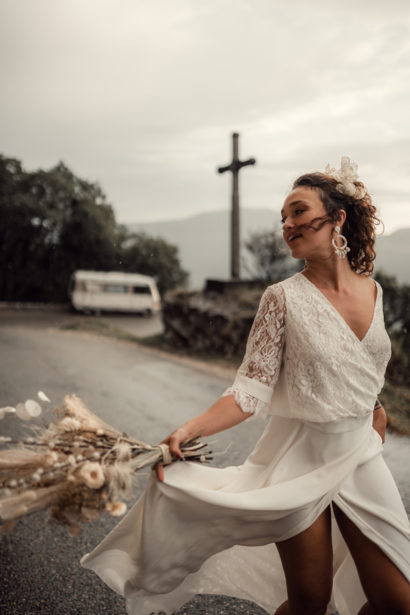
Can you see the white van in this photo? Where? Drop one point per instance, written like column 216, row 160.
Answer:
column 114, row 291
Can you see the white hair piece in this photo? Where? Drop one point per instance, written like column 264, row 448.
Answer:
column 345, row 177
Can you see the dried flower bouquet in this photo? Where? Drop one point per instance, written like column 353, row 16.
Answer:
column 78, row 466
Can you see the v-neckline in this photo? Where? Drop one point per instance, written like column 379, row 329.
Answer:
column 339, row 314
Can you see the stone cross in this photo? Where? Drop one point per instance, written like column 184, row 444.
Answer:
column 234, row 167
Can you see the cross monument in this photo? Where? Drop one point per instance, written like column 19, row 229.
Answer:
column 234, row 167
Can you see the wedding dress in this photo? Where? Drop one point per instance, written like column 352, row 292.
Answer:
column 212, row 530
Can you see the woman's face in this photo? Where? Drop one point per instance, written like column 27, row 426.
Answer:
column 302, row 206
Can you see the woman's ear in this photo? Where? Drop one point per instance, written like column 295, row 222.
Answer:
column 342, row 217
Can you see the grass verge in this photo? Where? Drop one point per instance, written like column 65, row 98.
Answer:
column 99, row 326
column 158, row 341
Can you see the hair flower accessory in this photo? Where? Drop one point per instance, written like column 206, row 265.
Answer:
column 346, row 177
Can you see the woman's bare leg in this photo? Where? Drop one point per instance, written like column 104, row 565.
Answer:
column 307, row 563
column 386, row 589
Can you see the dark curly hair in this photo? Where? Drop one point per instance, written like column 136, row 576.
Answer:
column 359, row 227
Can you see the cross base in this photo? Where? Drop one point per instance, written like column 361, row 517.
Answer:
column 227, row 287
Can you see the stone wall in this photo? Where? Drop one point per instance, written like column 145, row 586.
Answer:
column 210, row 322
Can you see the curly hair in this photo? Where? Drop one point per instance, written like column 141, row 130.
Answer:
column 359, row 227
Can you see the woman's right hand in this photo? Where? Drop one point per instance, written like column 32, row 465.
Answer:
column 224, row 413
column 174, row 442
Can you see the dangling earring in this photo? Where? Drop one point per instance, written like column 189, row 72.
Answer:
column 342, row 250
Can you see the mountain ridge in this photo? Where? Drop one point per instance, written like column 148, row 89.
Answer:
column 203, row 240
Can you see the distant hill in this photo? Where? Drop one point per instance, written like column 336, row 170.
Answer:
column 204, row 240
column 204, row 243
column 393, row 254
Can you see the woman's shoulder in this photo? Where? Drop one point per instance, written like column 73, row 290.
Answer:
column 378, row 286
column 280, row 292
column 273, row 297
column 284, row 288
column 367, row 284
column 281, row 285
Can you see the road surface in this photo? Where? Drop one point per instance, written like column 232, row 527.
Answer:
column 140, row 391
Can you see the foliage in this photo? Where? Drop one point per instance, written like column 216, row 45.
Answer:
column 396, row 400
column 152, row 256
column 268, row 258
column 52, row 223
column 396, row 302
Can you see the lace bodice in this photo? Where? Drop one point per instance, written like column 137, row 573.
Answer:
column 302, row 359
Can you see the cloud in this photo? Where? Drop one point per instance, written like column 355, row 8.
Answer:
column 143, row 96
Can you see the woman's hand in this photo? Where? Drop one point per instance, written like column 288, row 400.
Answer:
column 174, row 442
column 224, row 413
column 380, row 422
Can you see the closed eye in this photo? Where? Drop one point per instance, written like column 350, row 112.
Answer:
column 296, row 213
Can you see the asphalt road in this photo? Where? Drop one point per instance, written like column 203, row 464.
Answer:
column 140, row 391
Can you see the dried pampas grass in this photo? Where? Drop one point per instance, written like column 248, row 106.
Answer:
column 78, row 467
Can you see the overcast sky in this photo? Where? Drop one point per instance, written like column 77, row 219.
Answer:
column 142, row 96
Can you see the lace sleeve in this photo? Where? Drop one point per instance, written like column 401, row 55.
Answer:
column 260, row 368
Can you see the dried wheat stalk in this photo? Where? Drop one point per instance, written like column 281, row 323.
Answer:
column 79, row 466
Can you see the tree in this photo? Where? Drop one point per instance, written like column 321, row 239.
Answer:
column 396, row 305
column 268, row 257
column 16, row 225
column 53, row 222
column 152, row 256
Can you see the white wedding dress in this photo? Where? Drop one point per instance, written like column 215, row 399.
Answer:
column 211, row 530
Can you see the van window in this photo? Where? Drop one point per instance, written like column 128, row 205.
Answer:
column 116, row 288
column 141, row 290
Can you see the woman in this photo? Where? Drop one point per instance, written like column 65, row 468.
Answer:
column 315, row 360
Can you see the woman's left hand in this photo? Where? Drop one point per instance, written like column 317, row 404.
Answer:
column 380, row 422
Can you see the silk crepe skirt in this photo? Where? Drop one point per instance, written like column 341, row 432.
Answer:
column 213, row 531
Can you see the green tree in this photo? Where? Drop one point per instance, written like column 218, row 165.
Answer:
column 152, row 256
column 16, row 225
column 53, row 222
column 396, row 305
column 268, row 257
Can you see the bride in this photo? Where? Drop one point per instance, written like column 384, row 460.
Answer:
column 312, row 522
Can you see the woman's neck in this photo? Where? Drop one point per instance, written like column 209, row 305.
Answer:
column 334, row 273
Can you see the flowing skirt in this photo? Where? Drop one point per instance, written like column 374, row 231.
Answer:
column 210, row 530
